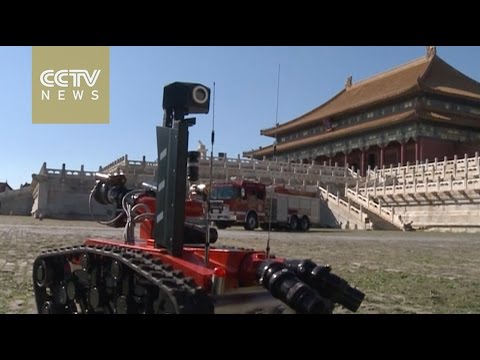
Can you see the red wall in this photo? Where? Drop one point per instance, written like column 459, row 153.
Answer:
column 469, row 149
column 436, row 148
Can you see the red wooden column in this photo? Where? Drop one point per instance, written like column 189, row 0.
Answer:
column 382, row 156
column 421, row 149
column 362, row 163
column 417, row 150
column 402, row 153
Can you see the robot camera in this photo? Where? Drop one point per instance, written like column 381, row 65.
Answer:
column 187, row 98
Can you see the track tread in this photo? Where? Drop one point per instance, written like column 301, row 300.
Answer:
column 184, row 294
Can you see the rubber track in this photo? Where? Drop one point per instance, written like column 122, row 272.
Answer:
column 187, row 297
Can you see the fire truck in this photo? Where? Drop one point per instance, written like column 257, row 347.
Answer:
column 250, row 203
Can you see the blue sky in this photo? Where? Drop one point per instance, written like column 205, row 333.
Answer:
column 246, row 92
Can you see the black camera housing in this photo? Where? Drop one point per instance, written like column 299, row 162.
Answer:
column 186, row 98
column 193, row 170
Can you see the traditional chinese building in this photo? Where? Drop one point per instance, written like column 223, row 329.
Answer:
column 424, row 109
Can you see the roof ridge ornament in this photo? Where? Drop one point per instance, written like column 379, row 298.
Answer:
column 349, row 81
column 431, row 51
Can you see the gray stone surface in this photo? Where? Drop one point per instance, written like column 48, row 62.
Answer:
column 401, row 272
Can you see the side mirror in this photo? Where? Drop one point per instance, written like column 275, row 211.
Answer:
column 243, row 193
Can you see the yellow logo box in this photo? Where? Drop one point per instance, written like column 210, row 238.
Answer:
column 70, row 85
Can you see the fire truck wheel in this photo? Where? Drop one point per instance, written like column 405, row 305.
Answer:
column 305, row 223
column 294, row 223
column 251, row 223
column 213, row 235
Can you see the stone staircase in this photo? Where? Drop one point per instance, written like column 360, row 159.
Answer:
column 379, row 223
column 340, row 212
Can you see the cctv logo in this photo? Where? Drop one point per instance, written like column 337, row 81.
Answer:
column 70, row 85
column 69, row 78
column 76, row 75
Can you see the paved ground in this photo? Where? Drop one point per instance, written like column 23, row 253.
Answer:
column 400, row 272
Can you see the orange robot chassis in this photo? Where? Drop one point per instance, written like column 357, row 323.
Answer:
column 172, row 267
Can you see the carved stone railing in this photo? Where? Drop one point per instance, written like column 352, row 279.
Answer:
column 345, row 206
column 386, row 213
column 421, row 187
column 225, row 168
column 458, row 168
column 63, row 172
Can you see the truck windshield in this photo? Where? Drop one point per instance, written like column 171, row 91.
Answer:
column 224, row 192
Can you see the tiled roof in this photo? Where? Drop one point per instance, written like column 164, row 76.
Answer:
column 444, row 78
column 430, row 74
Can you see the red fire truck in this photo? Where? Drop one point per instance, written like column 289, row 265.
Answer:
column 248, row 203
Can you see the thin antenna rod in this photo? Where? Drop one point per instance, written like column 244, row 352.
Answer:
column 207, row 239
column 267, row 250
column 278, row 97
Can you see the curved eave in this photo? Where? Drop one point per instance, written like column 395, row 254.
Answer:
column 451, row 119
column 457, row 84
column 302, row 122
column 375, row 124
column 453, row 93
column 293, row 123
column 253, row 153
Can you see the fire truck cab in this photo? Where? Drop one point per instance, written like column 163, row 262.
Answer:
column 238, row 202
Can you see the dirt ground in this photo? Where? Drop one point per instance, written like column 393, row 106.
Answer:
column 400, row 272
